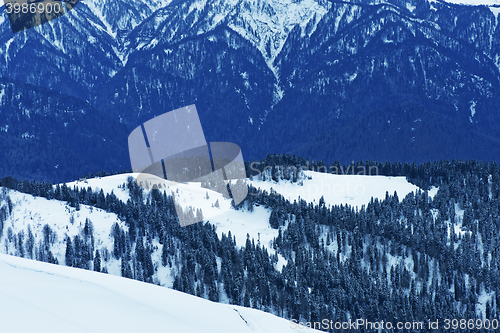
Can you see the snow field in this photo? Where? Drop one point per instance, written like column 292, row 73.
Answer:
column 62, row 299
column 353, row 190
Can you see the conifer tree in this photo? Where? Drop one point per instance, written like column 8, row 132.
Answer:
column 69, row 253
column 97, row 261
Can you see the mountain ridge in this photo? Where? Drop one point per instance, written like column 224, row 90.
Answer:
column 409, row 247
column 323, row 71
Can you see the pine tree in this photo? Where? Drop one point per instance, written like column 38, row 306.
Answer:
column 273, row 220
column 30, row 243
column 117, row 245
column 70, row 254
column 97, row 261
column 126, row 271
column 164, row 254
column 10, row 205
column 246, row 300
column 148, row 264
column 3, row 218
column 139, row 272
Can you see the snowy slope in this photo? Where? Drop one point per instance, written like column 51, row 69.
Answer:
column 61, row 299
column 475, row 2
column 106, row 11
column 353, row 190
column 34, row 213
column 494, row 5
column 267, row 23
column 190, row 194
column 110, row 184
column 240, row 222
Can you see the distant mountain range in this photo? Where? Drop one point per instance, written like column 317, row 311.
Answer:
column 392, row 80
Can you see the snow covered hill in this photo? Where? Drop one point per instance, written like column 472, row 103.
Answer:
column 493, row 5
column 35, row 221
column 236, row 257
column 33, row 218
column 45, row 298
column 475, row 2
column 353, row 190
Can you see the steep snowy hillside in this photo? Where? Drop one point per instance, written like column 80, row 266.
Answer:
column 266, row 24
column 39, row 297
column 493, row 5
column 38, row 228
column 132, row 13
column 71, row 54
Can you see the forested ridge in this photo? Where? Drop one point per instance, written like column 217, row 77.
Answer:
column 400, row 80
column 398, row 259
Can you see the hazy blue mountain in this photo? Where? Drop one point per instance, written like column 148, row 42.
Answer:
column 387, row 80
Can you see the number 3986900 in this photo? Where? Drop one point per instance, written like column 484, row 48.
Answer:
column 33, row 8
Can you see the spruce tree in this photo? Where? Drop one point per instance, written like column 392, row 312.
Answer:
column 97, row 261
column 69, row 252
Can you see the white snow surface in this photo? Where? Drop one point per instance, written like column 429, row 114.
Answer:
column 241, row 222
column 494, row 5
column 475, row 2
column 45, row 298
column 267, row 23
column 353, row 190
column 190, row 194
column 38, row 212
column 107, row 184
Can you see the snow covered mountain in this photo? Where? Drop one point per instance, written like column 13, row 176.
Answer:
column 386, row 80
column 490, row 3
column 41, row 229
column 63, row 299
column 266, row 24
column 36, row 222
column 38, row 228
column 298, row 254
